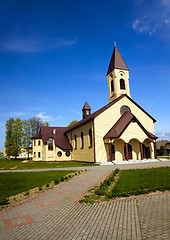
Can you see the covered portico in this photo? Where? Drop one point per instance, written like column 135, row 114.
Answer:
column 128, row 139
column 134, row 149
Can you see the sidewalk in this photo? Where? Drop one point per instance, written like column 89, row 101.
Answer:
column 56, row 213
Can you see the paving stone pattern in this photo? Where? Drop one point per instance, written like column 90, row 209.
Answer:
column 56, row 214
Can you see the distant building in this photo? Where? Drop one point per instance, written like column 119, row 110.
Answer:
column 23, row 154
column 121, row 130
column 165, row 144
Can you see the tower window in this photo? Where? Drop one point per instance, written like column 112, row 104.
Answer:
column 82, row 140
column 122, row 83
column 50, row 144
column 90, row 137
column 39, row 143
column 112, row 87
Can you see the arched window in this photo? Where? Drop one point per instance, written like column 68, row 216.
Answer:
column 50, row 144
column 75, row 142
column 122, row 83
column 82, row 140
column 90, row 137
column 112, row 87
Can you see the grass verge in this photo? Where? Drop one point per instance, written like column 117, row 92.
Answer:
column 125, row 183
column 14, row 183
column 13, row 164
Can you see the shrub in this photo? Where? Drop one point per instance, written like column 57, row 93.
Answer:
column 117, row 170
column 26, row 193
column 56, row 181
column 69, row 176
column 62, row 179
column 3, row 201
column 66, row 177
column 47, row 185
column 40, row 188
column 75, row 173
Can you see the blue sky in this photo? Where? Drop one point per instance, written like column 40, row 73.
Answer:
column 54, row 56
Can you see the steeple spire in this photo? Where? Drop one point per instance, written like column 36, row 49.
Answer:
column 117, row 76
column 86, row 110
column 116, row 61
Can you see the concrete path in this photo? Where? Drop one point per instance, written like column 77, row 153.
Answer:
column 56, row 213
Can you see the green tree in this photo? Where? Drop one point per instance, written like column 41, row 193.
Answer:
column 9, row 143
column 1, row 154
column 36, row 123
column 27, row 134
column 14, row 134
column 72, row 123
column 17, row 136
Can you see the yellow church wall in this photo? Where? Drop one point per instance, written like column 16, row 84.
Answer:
column 37, row 148
column 86, row 153
column 133, row 131
column 48, row 155
column 105, row 121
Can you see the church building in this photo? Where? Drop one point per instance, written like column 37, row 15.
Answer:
column 121, row 130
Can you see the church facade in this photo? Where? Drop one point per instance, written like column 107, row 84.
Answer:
column 121, row 130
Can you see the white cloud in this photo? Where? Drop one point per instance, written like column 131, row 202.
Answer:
column 165, row 2
column 163, row 135
column 28, row 44
column 75, row 111
column 13, row 114
column 47, row 118
column 152, row 17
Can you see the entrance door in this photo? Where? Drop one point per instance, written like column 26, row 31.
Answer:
column 112, row 152
column 128, row 155
column 129, row 151
column 147, row 152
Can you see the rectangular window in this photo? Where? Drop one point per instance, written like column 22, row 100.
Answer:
column 112, row 87
column 34, row 143
column 34, row 154
column 39, row 154
column 82, row 140
column 39, row 143
column 50, row 144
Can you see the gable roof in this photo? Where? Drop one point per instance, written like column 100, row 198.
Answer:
column 116, row 61
column 95, row 114
column 59, row 137
column 123, row 122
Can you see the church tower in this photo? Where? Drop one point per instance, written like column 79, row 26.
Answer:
column 117, row 76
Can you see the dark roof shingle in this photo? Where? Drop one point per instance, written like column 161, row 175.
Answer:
column 59, row 137
column 123, row 122
column 116, row 61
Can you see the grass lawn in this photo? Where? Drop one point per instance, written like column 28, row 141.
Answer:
column 164, row 157
column 124, row 183
column 6, row 164
column 13, row 183
column 132, row 181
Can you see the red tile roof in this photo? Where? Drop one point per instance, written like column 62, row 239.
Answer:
column 95, row 114
column 116, row 61
column 123, row 122
column 59, row 137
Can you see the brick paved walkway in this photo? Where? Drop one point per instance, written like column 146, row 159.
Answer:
column 56, row 214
